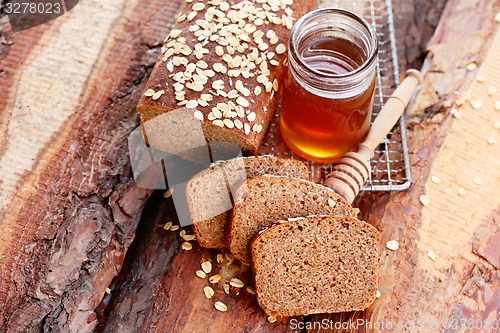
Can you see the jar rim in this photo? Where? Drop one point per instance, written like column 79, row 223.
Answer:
column 372, row 33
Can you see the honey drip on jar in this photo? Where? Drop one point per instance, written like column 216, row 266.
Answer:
column 323, row 129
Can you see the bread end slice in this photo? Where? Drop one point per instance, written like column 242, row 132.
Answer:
column 321, row 264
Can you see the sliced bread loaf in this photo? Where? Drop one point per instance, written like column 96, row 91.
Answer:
column 268, row 199
column 319, row 264
column 208, row 192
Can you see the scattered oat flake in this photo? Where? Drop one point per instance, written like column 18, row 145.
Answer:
column 331, row 203
column 220, row 306
column 492, row 90
column 208, row 291
column 431, row 255
column 168, row 225
column 461, row 192
column 192, row 104
column 206, row 266
column 497, row 18
column 215, row 278
column 459, row 101
column 237, row 283
column 378, row 294
column 226, row 288
column 436, row 179
column 149, row 93
column 491, row 140
column 477, row 181
column 496, row 124
column 497, row 105
column 201, row 274
column 447, row 103
column 188, row 238
column 424, row 200
column 280, row 49
column 174, row 228
column 182, row 233
column 356, row 210
column 229, row 258
column 271, row 319
column 198, row 115
column 187, row 246
column 157, row 94
column 455, row 113
column 220, row 258
column 480, row 79
column 198, row 6
column 108, row 291
column 477, row 104
column 471, row 66
column 392, row 245
column 168, row 193
column 250, row 290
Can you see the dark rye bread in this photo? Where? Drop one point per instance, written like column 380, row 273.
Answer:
column 270, row 199
column 223, row 62
column 320, row 264
column 206, row 197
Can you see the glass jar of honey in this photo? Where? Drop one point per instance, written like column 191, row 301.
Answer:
column 328, row 91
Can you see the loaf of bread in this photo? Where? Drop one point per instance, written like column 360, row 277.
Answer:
column 269, row 199
column 319, row 264
column 223, row 63
column 207, row 198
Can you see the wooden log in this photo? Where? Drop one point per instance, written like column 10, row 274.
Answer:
column 414, row 24
column 160, row 291
column 448, row 156
column 147, row 298
column 68, row 203
column 401, row 284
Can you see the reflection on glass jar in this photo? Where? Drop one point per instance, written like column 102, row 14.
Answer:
column 329, row 88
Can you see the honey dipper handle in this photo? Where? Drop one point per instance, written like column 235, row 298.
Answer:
column 390, row 113
column 351, row 172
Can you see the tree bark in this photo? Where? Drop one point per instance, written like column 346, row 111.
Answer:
column 397, row 215
column 68, row 203
column 448, row 156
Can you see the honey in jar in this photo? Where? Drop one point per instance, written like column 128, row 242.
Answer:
column 329, row 88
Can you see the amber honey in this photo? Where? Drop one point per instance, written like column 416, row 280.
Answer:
column 328, row 93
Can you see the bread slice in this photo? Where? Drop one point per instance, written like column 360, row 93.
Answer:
column 222, row 66
column 320, row 264
column 269, row 199
column 208, row 192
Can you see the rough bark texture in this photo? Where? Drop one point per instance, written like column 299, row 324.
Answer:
column 68, row 204
column 414, row 24
column 390, row 212
column 462, row 283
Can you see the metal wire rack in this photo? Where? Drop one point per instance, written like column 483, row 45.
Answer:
column 390, row 165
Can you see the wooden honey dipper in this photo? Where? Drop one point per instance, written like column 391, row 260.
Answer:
column 351, row 172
